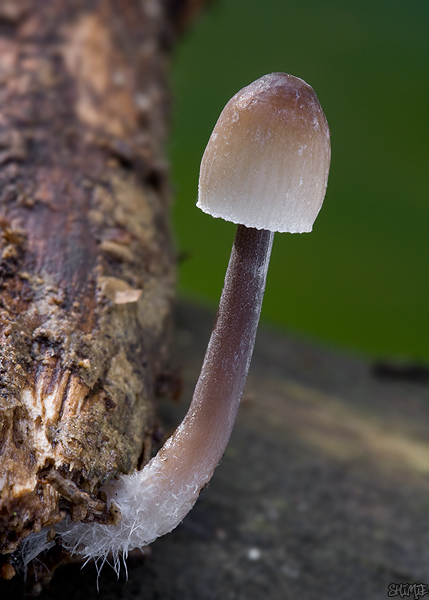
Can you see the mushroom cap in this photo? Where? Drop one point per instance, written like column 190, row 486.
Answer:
column 267, row 161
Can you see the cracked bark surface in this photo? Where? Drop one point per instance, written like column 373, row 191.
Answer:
column 87, row 267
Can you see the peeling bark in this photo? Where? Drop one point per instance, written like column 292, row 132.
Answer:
column 86, row 258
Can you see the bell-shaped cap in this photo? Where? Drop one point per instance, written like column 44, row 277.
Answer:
column 267, row 161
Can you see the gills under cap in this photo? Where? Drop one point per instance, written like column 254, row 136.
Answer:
column 267, row 161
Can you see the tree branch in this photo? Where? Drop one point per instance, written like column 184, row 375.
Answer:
column 87, row 264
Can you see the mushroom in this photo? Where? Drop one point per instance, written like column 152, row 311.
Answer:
column 266, row 168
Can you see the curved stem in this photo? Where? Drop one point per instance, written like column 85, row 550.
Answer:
column 207, row 427
column 154, row 500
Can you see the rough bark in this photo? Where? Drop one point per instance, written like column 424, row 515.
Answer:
column 87, row 266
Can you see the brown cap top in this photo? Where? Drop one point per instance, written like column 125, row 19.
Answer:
column 267, row 161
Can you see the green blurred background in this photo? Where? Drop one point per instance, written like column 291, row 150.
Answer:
column 360, row 280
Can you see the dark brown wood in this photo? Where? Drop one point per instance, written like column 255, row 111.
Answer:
column 87, row 265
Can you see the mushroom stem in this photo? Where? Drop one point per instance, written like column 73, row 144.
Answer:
column 154, row 500
column 205, row 431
